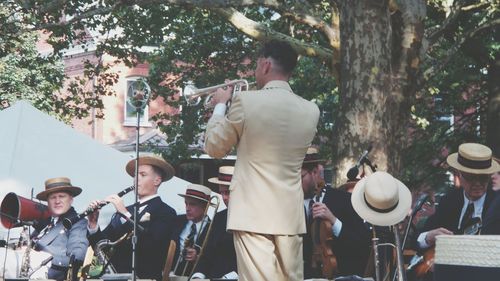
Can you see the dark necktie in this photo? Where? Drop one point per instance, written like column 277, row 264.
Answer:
column 467, row 216
column 192, row 233
column 310, row 211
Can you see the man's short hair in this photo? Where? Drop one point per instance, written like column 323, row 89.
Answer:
column 310, row 166
column 282, row 53
column 159, row 172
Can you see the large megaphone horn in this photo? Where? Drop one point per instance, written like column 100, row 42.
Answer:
column 16, row 209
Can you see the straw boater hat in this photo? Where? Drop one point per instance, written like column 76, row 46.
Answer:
column 381, row 199
column 153, row 160
column 224, row 177
column 473, row 158
column 61, row 184
column 197, row 191
column 312, row 156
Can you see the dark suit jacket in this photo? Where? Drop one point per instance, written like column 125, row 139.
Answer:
column 62, row 243
column 219, row 257
column 491, row 223
column 180, row 224
column 152, row 243
column 448, row 211
column 352, row 245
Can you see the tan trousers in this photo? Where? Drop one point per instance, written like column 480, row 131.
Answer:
column 262, row 257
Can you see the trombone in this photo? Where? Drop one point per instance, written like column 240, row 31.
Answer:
column 193, row 95
column 188, row 267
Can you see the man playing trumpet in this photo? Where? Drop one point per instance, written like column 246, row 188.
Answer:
column 271, row 129
column 154, row 216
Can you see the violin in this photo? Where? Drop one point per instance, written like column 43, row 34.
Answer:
column 323, row 259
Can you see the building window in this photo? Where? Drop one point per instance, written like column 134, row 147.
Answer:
column 130, row 113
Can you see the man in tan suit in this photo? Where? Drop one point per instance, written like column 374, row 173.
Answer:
column 271, row 129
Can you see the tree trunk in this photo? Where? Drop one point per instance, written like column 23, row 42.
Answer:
column 365, row 84
column 493, row 117
column 380, row 55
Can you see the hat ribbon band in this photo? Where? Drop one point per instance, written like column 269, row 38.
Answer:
column 57, row 184
column 380, row 210
column 311, row 157
column 197, row 193
column 474, row 164
column 225, row 177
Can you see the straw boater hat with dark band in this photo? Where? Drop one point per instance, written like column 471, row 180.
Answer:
column 153, row 160
column 197, row 191
column 473, row 158
column 224, row 177
column 61, row 184
column 381, row 199
column 312, row 156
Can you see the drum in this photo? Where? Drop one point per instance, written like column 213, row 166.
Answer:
column 13, row 260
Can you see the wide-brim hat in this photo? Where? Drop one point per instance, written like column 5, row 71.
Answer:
column 197, row 191
column 381, row 199
column 473, row 158
column 60, row 184
column 153, row 160
column 224, row 177
column 312, row 156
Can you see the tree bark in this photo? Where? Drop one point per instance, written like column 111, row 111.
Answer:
column 365, row 84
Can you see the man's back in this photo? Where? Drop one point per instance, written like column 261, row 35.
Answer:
column 272, row 130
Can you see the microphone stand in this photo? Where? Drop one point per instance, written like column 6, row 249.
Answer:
column 139, row 101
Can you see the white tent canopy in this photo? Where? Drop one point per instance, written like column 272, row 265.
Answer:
column 35, row 147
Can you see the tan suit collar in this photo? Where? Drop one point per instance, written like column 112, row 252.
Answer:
column 277, row 84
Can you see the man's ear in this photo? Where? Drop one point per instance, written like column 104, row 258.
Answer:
column 157, row 180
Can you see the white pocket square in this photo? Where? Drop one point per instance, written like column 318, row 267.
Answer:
column 145, row 217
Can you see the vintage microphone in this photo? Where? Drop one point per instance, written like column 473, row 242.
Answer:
column 140, row 96
column 353, row 172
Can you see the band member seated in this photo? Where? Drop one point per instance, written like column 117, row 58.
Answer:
column 191, row 229
column 219, row 257
column 154, row 216
column 458, row 208
column 51, row 236
column 350, row 236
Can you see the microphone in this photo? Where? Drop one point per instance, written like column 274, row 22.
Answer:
column 420, row 202
column 353, row 172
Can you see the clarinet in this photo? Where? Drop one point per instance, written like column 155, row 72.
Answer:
column 68, row 222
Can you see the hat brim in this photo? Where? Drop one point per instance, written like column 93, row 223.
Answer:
column 452, row 160
column 73, row 190
column 376, row 218
column 167, row 169
column 217, row 181
column 194, row 197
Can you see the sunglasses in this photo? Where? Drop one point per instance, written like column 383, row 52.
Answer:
column 476, row 178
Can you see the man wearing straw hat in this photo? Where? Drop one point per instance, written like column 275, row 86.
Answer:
column 219, row 258
column 271, row 129
column 191, row 229
column 350, row 237
column 155, row 218
column 458, row 209
column 51, row 236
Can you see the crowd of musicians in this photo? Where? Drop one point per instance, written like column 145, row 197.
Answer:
column 282, row 222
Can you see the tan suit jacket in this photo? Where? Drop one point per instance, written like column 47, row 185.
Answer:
column 272, row 129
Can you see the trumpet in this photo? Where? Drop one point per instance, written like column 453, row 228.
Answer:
column 193, row 95
column 184, row 267
column 68, row 222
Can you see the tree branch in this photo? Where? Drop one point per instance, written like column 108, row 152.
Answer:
column 429, row 72
column 260, row 32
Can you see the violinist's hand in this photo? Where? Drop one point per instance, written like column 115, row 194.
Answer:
column 320, row 210
column 94, row 216
column 430, row 238
column 117, row 201
column 222, row 95
column 190, row 254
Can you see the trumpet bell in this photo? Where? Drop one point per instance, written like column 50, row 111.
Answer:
column 190, row 94
column 15, row 209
